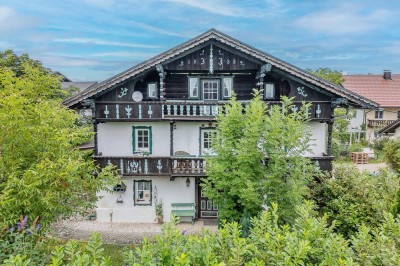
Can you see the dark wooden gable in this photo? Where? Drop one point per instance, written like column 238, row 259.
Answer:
column 212, row 57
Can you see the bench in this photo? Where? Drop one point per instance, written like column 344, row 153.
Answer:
column 184, row 210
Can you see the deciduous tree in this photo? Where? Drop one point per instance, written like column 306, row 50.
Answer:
column 42, row 173
column 258, row 159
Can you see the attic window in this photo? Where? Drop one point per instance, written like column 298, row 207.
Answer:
column 269, row 91
column 152, row 90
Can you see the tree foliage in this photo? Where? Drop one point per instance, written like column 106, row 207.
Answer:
column 258, row 159
column 42, row 174
column 328, row 74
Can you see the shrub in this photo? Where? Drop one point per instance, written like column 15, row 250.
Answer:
column 309, row 241
column 352, row 198
column 392, row 154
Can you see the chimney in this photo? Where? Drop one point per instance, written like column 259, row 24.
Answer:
column 387, row 74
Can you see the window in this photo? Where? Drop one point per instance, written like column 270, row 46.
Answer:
column 142, row 139
column 207, row 136
column 227, row 87
column 142, row 192
column 269, row 91
column 152, row 90
column 193, row 88
column 378, row 114
column 210, row 89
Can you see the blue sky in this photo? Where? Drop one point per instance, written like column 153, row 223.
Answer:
column 95, row 39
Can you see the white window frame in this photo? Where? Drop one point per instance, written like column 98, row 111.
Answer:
column 142, row 192
column 193, row 87
column 210, row 81
column 379, row 114
column 152, row 90
column 138, row 146
column 203, row 150
column 227, row 87
column 269, row 91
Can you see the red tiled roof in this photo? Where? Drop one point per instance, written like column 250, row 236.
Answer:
column 386, row 92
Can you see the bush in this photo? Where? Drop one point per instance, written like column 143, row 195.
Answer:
column 392, row 154
column 353, row 198
column 309, row 241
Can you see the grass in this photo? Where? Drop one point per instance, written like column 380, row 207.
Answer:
column 115, row 252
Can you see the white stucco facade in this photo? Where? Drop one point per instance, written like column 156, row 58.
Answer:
column 163, row 188
column 318, row 139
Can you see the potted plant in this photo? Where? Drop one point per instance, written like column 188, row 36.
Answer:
column 159, row 212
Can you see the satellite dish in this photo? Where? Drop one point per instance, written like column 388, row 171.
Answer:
column 137, row 96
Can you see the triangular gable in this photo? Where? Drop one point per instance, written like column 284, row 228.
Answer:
column 228, row 41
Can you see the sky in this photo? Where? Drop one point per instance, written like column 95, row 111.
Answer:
column 92, row 40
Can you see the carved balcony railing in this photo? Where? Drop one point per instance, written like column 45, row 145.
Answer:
column 379, row 122
column 145, row 165
column 156, row 111
column 174, row 166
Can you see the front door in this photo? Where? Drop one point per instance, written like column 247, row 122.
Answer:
column 206, row 208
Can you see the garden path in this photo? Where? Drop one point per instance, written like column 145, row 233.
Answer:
column 118, row 233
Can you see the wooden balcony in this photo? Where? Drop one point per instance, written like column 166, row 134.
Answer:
column 379, row 122
column 194, row 111
column 174, row 166
column 155, row 166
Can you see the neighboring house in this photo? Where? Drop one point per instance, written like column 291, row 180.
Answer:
column 155, row 121
column 382, row 89
column 391, row 131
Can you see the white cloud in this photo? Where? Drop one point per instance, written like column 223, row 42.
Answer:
column 215, row 7
column 104, row 42
column 101, row 3
column 10, row 21
column 153, row 30
column 342, row 20
column 123, row 54
column 67, row 61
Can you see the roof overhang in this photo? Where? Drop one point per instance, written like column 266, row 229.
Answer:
column 341, row 92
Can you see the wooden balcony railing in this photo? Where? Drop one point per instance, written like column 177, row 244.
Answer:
column 174, row 166
column 132, row 111
column 379, row 122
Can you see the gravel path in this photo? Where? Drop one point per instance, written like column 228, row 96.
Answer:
column 371, row 167
column 118, row 233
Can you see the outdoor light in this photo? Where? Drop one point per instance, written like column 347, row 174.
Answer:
column 187, row 182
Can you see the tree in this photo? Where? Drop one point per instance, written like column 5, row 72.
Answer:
column 258, row 159
column 8, row 59
column 42, row 174
column 332, row 76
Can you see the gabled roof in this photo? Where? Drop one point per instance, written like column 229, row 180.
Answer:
column 390, row 128
column 213, row 34
column 386, row 92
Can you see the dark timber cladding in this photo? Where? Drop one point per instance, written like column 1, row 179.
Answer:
column 193, row 81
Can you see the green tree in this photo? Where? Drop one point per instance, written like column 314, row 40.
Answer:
column 10, row 60
column 392, row 154
column 258, row 159
column 42, row 173
column 332, row 76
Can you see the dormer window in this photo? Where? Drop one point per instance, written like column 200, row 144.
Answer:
column 152, row 90
column 269, row 91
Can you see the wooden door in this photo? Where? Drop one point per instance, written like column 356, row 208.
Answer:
column 206, row 208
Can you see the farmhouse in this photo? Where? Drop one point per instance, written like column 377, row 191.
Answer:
column 155, row 121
